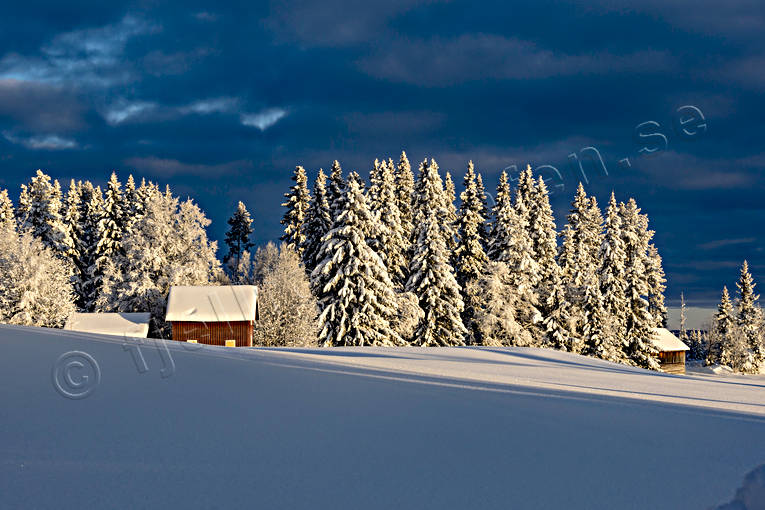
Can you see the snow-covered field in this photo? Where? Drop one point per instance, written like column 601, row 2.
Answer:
column 363, row 428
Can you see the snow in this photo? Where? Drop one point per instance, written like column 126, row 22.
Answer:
column 212, row 303
column 122, row 324
column 367, row 428
column 665, row 341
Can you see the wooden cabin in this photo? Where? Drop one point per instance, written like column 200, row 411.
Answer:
column 213, row 315
column 671, row 351
column 134, row 325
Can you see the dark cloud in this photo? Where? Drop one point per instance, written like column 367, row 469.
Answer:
column 223, row 102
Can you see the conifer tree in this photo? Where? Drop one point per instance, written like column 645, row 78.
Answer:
column 485, row 227
column 431, row 275
column 721, row 349
column 639, row 322
column 318, row 222
column 451, row 213
column 578, row 261
column 89, row 205
column 7, row 215
column 389, row 241
column 238, row 238
column 510, row 243
column 613, row 286
column 749, row 319
column 683, row 320
column 297, row 202
column 110, row 222
column 336, row 188
column 40, row 212
column 404, row 197
column 656, row 286
column 356, row 298
column 131, row 205
column 471, row 260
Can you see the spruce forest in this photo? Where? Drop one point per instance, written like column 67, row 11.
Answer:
column 396, row 259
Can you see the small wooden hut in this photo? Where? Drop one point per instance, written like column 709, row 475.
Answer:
column 671, row 351
column 213, row 314
column 134, row 325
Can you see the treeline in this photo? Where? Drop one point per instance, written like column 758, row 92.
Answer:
column 394, row 262
column 735, row 337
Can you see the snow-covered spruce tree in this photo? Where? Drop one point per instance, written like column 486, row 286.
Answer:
column 238, row 240
column 524, row 197
column 471, row 260
column 130, row 204
column 7, row 215
column 297, row 202
column 551, row 296
column 578, row 259
column 613, row 285
column 168, row 246
column 389, row 242
column 639, row 321
column 110, row 229
column 495, row 318
column 40, row 212
column 34, row 282
column 749, row 318
column 336, row 189
column 451, row 213
column 721, row 349
column 485, row 227
column 657, row 284
column 287, row 309
column 356, row 298
column 510, row 243
column 318, row 222
column 405, row 197
column 431, row 276
column 89, row 202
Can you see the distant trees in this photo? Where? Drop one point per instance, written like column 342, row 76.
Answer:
column 238, row 240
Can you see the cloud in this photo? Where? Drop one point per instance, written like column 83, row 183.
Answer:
column 91, row 56
column 173, row 167
column 214, row 105
column 264, row 119
column 440, row 62
column 124, row 111
column 721, row 243
column 42, row 142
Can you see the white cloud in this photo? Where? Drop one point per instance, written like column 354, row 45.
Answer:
column 214, row 105
column 264, row 119
column 124, row 111
column 41, row 142
column 90, row 56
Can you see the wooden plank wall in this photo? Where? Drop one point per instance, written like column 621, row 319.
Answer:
column 214, row 333
column 672, row 362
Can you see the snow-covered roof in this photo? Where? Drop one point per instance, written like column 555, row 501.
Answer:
column 122, row 324
column 212, row 303
column 665, row 341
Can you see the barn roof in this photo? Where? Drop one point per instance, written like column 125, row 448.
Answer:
column 122, row 324
column 212, row 303
column 665, row 341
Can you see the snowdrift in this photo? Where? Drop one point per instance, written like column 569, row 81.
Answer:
column 95, row 421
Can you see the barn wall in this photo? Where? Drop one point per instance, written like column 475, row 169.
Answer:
column 672, row 362
column 214, row 333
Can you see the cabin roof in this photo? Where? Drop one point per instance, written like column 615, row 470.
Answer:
column 665, row 341
column 212, row 303
column 122, row 324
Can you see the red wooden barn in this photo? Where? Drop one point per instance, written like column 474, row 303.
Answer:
column 213, row 314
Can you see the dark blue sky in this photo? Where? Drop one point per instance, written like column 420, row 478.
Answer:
column 221, row 103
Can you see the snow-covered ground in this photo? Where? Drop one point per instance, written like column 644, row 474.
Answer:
column 362, row 428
